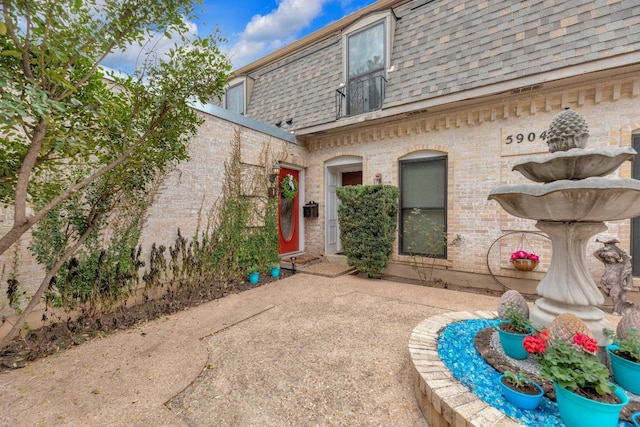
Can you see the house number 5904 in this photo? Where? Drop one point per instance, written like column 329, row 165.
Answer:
column 521, row 137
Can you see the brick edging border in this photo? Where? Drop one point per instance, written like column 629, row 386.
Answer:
column 443, row 400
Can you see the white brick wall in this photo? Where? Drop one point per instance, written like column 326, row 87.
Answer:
column 189, row 190
column 474, row 139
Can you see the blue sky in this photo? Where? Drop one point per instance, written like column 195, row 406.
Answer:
column 253, row 28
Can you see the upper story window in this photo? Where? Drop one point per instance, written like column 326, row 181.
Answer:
column 234, row 98
column 366, row 69
column 367, row 47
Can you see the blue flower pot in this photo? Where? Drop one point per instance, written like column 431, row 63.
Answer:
column 522, row 400
column 625, row 372
column 636, row 419
column 512, row 343
column 578, row 411
column 253, row 278
column 275, row 272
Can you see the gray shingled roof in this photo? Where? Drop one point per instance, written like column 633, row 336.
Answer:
column 302, row 88
column 451, row 46
column 443, row 47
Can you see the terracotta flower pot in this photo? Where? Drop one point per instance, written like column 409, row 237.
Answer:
column 524, row 264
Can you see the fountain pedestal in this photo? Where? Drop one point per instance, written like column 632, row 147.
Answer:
column 567, row 286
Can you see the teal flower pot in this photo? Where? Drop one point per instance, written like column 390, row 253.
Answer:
column 522, row 400
column 275, row 272
column 253, row 278
column 512, row 343
column 625, row 372
column 578, row 411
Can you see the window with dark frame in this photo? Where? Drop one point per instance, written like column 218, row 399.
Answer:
column 366, row 60
column 423, row 206
column 234, row 98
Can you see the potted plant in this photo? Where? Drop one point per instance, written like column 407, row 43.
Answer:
column 585, row 396
column 275, row 270
column 520, row 390
column 254, row 274
column 624, row 355
column 525, row 261
column 513, row 329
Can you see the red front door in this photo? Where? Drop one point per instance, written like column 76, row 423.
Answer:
column 288, row 214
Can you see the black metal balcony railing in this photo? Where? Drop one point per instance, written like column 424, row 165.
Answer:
column 360, row 95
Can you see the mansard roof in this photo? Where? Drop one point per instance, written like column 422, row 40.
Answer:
column 449, row 47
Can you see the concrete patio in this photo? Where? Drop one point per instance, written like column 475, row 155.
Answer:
column 305, row 350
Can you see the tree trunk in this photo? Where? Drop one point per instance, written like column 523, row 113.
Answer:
column 35, row 300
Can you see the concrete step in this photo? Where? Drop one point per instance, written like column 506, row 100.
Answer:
column 335, row 259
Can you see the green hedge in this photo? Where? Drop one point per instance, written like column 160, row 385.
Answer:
column 368, row 217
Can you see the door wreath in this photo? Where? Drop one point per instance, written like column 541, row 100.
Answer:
column 289, row 187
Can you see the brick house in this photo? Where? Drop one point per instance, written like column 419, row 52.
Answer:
column 441, row 98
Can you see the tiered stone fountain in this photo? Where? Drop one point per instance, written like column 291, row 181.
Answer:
column 571, row 201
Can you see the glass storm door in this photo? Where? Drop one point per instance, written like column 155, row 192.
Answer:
column 288, row 214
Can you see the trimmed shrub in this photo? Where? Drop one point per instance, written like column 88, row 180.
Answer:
column 368, row 217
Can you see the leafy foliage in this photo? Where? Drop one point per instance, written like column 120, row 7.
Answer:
column 517, row 379
column 574, row 366
column 79, row 143
column 629, row 346
column 64, row 125
column 519, row 322
column 368, row 217
column 426, row 240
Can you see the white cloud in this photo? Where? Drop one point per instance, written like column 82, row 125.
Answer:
column 134, row 56
column 266, row 33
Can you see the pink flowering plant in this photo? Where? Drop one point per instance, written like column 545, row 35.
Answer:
column 524, row 255
column 574, row 366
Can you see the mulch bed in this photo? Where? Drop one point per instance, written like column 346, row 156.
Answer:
column 61, row 334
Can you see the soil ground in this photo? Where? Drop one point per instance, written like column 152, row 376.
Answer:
column 63, row 333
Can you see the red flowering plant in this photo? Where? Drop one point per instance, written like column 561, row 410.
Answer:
column 524, row 255
column 574, row 366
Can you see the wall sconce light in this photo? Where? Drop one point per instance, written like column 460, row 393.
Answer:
column 273, row 179
column 275, row 171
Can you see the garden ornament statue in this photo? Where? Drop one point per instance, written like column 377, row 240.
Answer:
column 571, row 199
column 616, row 279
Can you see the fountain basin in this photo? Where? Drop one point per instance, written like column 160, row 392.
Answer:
column 589, row 199
column 574, row 164
column 443, row 400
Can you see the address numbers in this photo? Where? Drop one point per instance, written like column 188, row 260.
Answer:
column 529, row 137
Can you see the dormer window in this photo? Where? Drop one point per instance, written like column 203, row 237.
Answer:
column 366, row 69
column 367, row 49
column 234, row 98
